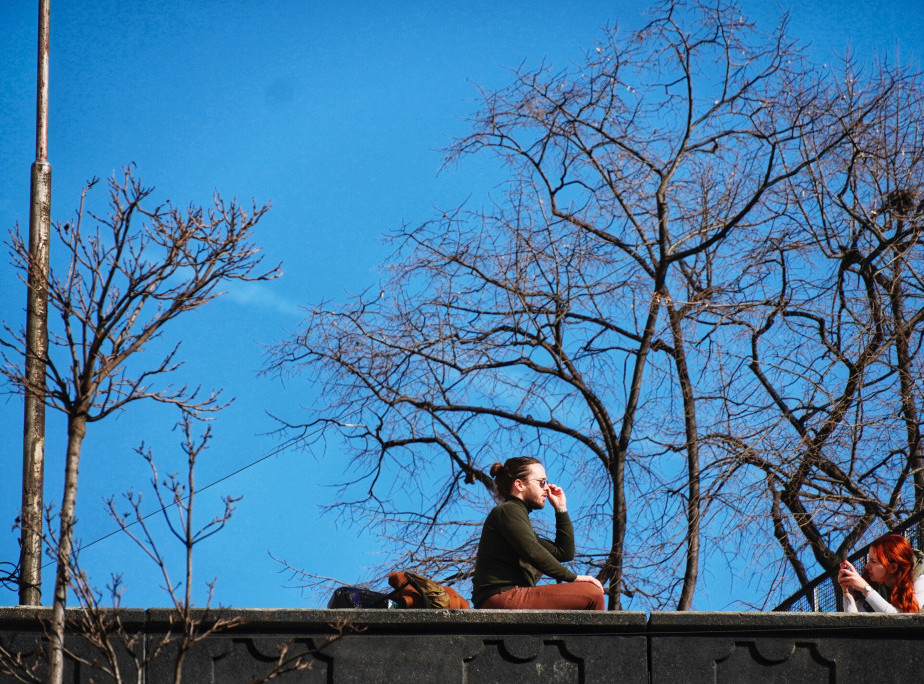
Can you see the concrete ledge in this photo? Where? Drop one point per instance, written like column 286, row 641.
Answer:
column 522, row 646
column 453, row 620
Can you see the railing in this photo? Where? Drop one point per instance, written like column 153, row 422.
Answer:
column 823, row 594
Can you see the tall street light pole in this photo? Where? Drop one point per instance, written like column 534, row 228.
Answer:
column 33, row 452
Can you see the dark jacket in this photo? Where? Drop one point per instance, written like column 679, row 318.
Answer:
column 511, row 554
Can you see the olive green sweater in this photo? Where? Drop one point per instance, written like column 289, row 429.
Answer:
column 511, row 554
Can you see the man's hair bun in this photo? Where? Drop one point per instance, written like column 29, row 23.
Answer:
column 516, row 468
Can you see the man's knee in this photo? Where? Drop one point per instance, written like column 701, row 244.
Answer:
column 596, row 597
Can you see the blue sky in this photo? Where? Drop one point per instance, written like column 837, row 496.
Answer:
column 336, row 112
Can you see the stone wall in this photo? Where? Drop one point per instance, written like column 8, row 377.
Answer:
column 513, row 646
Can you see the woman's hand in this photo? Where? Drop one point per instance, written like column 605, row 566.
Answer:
column 557, row 498
column 849, row 578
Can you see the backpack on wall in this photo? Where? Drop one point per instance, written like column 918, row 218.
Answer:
column 416, row 591
column 360, row 597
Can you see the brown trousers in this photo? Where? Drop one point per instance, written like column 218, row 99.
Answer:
column 564, row 596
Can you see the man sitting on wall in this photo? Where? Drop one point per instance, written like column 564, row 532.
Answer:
column 511, row 557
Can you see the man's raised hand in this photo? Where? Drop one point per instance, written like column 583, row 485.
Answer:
column 557, row 497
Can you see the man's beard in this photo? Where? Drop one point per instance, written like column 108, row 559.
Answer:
column 534, row 506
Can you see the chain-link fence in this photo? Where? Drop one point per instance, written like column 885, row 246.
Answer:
column 823, row 594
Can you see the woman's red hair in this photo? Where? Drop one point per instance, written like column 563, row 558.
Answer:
column 897, row 556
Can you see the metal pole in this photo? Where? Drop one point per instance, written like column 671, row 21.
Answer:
column 33, row 451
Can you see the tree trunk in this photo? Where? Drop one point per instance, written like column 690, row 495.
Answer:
column 905, row 364
column 693, row 470
column 613, row 569
column 614, row 561
column 76, row 431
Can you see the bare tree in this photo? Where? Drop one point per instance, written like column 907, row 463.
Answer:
column 121, row 283
column 124, row 652
column 830, row 383
column 175, row 499
column 573, row 317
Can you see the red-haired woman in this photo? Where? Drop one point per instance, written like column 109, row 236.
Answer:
column 892, row 580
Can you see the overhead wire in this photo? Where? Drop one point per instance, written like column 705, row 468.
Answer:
column 283, row 447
